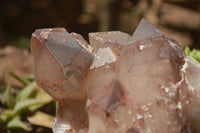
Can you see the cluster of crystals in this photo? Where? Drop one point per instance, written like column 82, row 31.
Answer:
column 142, row 83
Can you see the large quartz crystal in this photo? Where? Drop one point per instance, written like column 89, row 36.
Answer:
column 142, row 83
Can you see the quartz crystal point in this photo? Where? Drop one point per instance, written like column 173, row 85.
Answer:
column 61, row 62
column 118, row 83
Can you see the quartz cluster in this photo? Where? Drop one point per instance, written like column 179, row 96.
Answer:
column 118, row 83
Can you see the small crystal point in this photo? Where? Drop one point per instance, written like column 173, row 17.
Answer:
column 145, row 30
column 42, row 34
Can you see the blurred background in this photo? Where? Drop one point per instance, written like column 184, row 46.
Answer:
column 19, row 18
column 179, row 19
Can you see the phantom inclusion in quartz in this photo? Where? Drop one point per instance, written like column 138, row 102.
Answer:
column 118, row 83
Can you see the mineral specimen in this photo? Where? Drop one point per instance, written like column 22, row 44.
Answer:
column 119, row 83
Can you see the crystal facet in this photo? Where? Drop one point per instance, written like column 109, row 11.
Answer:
column 118, row 83
column 61, row 62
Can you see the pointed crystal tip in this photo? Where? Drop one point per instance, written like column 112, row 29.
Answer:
column 145, row 30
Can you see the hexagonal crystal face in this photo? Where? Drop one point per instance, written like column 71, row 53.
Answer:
column 63, row 47
column 142, row 83
column 60, row 63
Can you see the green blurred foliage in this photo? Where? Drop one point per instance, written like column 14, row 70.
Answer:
column 194, row 53
column 17, row 108
column 23, row 42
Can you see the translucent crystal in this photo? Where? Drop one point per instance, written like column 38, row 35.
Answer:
column 144, row 30
column 192, row 108
column 103, row 56
column 142, row 83
column 116, row 40
column 60, row 63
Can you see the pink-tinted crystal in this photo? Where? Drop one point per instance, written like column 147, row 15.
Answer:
column 133, row 84
column 116, row 40
column 60, row 63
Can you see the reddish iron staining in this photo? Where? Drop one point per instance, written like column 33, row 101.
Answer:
column 114, row 97
column 132, row 130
